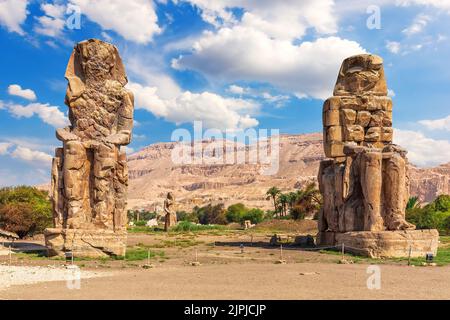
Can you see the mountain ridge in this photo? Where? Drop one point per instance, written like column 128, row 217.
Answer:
column 152, row 174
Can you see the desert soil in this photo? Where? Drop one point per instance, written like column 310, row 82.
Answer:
column 225, row 272
column 254, row 281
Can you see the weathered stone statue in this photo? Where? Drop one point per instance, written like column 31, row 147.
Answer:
column 171, row 215
column 89, row 173
column 364, row 182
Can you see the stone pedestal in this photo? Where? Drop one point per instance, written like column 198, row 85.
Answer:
column 93, row 243
column 383, row 244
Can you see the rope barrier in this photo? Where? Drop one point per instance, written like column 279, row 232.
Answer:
column 331, row 247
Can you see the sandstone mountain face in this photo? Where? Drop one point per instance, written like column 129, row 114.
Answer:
column 428, row 183
column 153, row 174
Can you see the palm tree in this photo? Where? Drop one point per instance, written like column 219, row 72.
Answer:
column 273, row 193
column 292, row 198
column 283, row 198
column 308, row 200
column 413, row 203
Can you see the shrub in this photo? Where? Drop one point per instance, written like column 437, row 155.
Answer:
column 184, row 226
column 140, row 223
column 254, row 215
column 435, row 215
column 18, row 218
column 442, row 203
column 211, row 214
column 142, row 214
column 446, row 225
column 269, row 214
column 24, row 210
column 187, row 216
column 236, row 212
column 297, row 212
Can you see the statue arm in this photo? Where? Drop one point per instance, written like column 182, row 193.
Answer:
column 64, row 134
column 125, row 121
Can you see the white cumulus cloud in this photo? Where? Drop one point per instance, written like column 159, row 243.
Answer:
column 16, row 90
column 4, row 146
column 47, row 113
column 213, row 110
column 439, row 4
column 13, row 14
column 26, row 154
column 423, row 151
column 287, row 19
column 438, row 124
column 31, row 153
column 134, row 20
column 419, row 23
column 52, row 23
column 239, row 53
column 393, row 46
column 235, row 89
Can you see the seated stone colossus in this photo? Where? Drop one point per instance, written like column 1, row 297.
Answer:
column 89, row 173
column 364, row 180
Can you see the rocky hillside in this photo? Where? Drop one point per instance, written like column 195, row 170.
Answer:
column 153, row 174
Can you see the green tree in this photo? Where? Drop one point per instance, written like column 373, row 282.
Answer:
column 273, row 193
column 211, row 214
column 442, row 203
column 24, row 210
column 308, row 201
column 435, row 215
column 187, row 216
column 254, row 215
column 413, row 203
column 283, row 199
column 292, row 198
column 235, row 212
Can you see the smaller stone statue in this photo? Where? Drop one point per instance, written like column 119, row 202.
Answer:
column 171, row 215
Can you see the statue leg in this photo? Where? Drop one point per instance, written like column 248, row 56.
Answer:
column 57, row 191
column 371, row 185
column 328, row 216
column 76, row 184
column 396, row 193
column 167, row 222
column 120, row 187
column 105, row 158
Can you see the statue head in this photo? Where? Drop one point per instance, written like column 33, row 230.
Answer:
column 95, row 60
column 170, row 196
column 361, row 74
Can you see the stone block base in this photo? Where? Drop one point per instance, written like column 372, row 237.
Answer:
column 85, row 243
column 383, row 244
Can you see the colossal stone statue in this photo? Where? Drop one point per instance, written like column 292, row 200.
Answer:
column 364, row 181
column 89, row 173
column 171, row 215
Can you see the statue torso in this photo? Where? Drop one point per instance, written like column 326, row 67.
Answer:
column 94, row 114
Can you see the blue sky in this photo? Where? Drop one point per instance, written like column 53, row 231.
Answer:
column 233, row 64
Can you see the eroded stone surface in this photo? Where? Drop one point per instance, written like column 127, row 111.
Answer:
column 365, row 182
column 390, row 244
column 89, row 173
column 85, row 243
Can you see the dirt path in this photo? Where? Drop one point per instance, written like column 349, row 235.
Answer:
column 250, row 281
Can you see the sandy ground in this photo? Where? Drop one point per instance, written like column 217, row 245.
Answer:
column 24, row 275
column 226, row 272
column 254, row 281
